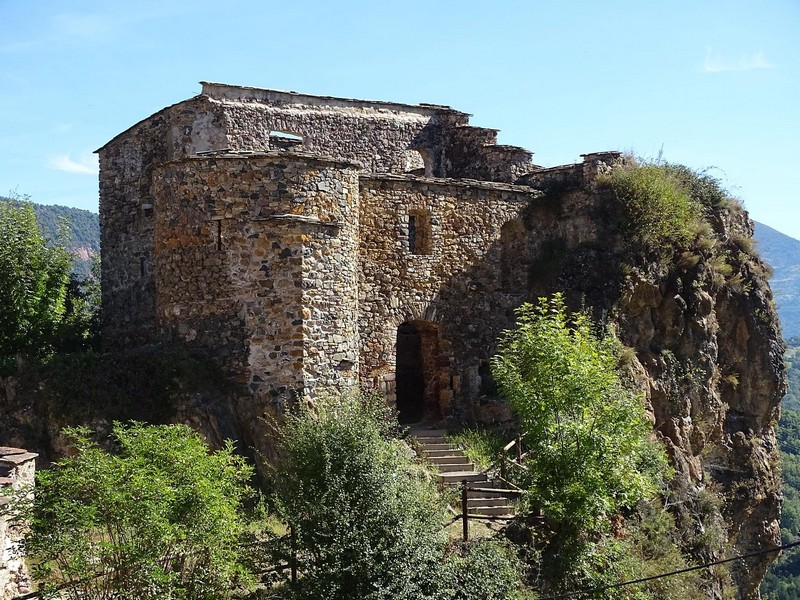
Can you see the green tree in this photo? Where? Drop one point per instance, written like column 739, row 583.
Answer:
column 588, row 434
column 33, row 278
column 158, row 518
column 367, row 524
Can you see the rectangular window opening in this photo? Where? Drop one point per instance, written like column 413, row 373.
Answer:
column 420, row 237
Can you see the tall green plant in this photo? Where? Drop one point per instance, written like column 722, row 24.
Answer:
column 33, row 278
column 588, row 434
column 157, row 519
column 367, row 525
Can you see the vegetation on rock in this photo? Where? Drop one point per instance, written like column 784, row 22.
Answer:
column 594, row 470
column 588, row 432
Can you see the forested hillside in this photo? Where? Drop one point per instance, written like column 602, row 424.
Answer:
column 84, row 230
column 783, row 254
column 84, row 225
column 782, row 581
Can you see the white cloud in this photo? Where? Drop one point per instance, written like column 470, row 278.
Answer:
column 86, row 164
column 714, row 63
column 92, row 28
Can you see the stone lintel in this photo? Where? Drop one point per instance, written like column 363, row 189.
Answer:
column 17, row 459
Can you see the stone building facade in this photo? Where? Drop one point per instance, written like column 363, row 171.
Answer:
column 17, row 470
column 307, row 242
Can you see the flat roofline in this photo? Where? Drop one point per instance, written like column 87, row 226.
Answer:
column 224, row 91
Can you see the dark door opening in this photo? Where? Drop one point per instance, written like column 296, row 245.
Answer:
column 417, row 372
column 410, row 374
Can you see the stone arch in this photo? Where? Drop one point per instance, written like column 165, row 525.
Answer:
column 418, row 161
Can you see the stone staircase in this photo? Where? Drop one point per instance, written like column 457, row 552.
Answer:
column 454, row 467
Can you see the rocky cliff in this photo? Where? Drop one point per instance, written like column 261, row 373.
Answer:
column 703, row 343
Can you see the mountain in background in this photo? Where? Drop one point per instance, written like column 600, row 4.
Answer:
column 84, row 230
column 783, row 254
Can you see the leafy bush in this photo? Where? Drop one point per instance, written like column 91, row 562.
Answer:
column 488, row 570
column 157, row 519
column 588, row 434
column 482, row 446
column 367, row 524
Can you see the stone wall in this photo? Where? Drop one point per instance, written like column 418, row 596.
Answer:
column 126, row 211
column 454, row 287
column 17, row 470
column 383, row 137
column 256, row 261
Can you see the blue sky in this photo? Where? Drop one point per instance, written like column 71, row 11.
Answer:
column 710, row 84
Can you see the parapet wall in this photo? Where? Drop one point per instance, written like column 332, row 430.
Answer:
column 17, row 470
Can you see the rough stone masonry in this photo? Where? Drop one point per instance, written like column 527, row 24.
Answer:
column 297, row 238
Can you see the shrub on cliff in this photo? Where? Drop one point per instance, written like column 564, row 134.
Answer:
column 658, row 204
column 588, row 434
column 157, row 519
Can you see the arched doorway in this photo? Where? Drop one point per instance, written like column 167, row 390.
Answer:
column 416, row 372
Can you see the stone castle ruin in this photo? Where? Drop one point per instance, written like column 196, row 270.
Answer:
column 308, row 241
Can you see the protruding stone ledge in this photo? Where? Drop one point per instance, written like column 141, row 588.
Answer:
column 299, row 219
column 448, row 182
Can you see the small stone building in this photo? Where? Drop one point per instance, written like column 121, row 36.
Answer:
column 17, row 469
column 308, row 241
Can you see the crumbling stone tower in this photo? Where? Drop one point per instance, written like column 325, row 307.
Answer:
column 305, row 241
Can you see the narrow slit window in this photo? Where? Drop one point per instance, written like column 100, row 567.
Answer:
column 420, row 240
column 219, row 235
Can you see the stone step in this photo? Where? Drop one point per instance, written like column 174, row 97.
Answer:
column 455, row 468
column 438, row 446
column 441, row 453
column 456, row 477
column 450, row 459
column 428, row 433
column 484, row 501
column 494, row 511
column 426, row 441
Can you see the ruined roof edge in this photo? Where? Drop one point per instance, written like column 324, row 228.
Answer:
column 224, row 91
column 139, row 122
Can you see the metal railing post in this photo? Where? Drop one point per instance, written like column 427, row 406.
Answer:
column 293, row 557
column 465, row 517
